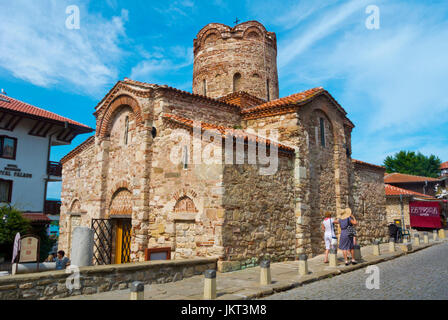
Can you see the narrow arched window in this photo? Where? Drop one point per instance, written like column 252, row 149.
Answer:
column 322, row 132
column 126, row 130
column 236, row 82
column 204, row 85
column 185, row 160
column 267, row 90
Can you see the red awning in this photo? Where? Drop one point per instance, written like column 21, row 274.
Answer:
column 425, row 214
column 36, row 217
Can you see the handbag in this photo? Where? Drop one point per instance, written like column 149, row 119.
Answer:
column 334, row 240
column 351, row 230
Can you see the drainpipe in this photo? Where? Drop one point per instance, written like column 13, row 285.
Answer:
column 402, row 213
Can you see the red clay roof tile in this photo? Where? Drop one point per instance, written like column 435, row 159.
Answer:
column 396, row 191
column 403, row 178
column 27, row 109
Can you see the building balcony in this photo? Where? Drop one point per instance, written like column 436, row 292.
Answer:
column 52, row 207
column 54, row 169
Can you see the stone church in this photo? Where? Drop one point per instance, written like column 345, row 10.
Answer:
column 123, row 183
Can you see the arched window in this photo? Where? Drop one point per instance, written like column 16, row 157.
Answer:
column 204, row 85
column 126, row 130
column 267, row 90
column 236, row 82
column 185, row 204
column 322, row 132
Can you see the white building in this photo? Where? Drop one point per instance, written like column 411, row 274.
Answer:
column 27, row 134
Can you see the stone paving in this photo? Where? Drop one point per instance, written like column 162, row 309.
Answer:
column 419, row 276
column 244, row 284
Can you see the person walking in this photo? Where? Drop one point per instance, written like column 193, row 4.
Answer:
column 329, row 234
column 347, row 221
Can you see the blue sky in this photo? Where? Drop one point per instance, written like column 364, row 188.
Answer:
column 391, row 81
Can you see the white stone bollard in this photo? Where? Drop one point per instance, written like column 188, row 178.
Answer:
column 376, row 248
column 434, row 235
column 425, row 237
column 210, row 284
column 416, row 239
column 82, row 247
column 303, row 264
column 137, row 290
column 265, row 272
column 441, row 233
column 392, row 245
column 357, row 249
column 406, row 247
column 332, row 258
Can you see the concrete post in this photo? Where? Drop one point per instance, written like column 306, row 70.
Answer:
column 425, row 237
column 137, row 290
column 303, row 264
column 416, row 239
column 210, row 284
column 434, row 235
column 376, row 248
column 441, row 233
column 406, row 247
column 82, row 247
column 265, row 272
column 332, row 259
column 392, row 245
column 357, row 256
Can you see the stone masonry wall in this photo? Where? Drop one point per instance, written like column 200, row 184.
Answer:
column 259, row 214
column 369, row 204
column 96, row 279
column 393, row 209
column 190, row 231
column 79, row 194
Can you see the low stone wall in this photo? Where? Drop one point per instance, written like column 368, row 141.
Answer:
column 94, row 279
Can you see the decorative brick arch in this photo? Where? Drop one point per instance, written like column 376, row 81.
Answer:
column 75, row 205
column 185, row 204
column 210, row 36
column 253, row 33
column 114, row 106
column 184, row 193
column 121, row 202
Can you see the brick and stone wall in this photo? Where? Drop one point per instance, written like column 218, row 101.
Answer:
column 95, row 279
column 259, row 214
column 243, row 58
column 369, row 203
column 394, row 207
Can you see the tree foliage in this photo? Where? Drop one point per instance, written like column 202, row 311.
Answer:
column 409, row 162
column 11, row 222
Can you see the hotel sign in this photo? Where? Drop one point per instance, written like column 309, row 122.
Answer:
column 12, row 170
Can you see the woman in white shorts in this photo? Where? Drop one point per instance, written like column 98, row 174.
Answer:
column 329, row 234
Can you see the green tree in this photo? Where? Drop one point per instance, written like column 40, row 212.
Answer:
column 409, row 162
column 11, row 222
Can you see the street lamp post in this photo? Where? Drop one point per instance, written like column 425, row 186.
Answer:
column 402, row 213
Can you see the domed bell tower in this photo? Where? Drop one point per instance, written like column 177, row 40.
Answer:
column 242, row 58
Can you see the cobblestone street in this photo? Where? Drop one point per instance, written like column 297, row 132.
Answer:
column 422, row 275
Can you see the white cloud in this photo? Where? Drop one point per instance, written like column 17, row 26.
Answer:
column 37, row 47
column 392, row 81
column 160, row 63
